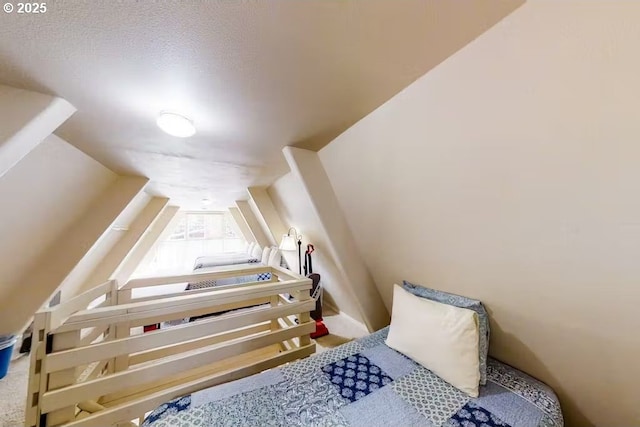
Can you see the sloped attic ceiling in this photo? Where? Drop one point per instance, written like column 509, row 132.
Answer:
column 254, row 76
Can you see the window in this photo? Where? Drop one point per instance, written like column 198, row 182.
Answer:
column 195, row 227
column 194, row 234
column 180, row 233
column 203, row 226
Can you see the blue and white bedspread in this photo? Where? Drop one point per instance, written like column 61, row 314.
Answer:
column 261, row 277
column 364, row 383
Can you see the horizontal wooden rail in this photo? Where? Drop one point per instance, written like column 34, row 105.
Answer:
column 126, row 394
column 176, row 305
column 134, row 408
column 174, row 335
column 285, row 274
column 170, row 350
column 64, row 397
column 213, row 273
column 195, row 291
column 80, row 302
column 83, row 354
column 200, row 311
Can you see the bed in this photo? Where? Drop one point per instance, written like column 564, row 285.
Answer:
column 252, row 253
column 208, row 264
column 204, row 264
column 364, row 383
column 262, row 277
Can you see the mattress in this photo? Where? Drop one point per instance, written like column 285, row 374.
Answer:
column 364, row 383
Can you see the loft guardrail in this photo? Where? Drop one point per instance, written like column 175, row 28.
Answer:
column 94, row 367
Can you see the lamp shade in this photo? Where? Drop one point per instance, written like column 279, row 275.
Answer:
column 288, row 243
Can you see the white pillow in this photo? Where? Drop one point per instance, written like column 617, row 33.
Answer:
column 256, row 252
column 265, row 255
column 274, row 257
column 440, row 337
column 250, row 247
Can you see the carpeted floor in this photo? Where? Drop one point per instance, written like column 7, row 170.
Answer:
column 13, row 391
column 342, row 329
column 13, row 387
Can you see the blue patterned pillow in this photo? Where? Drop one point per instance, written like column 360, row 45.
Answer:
column 462, row 302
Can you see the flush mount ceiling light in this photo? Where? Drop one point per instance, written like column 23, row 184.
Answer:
column 176, row 124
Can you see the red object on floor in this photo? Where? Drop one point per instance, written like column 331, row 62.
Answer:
column 149, row 328
column 321, row 330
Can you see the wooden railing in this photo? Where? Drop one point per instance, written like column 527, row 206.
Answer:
column 94, row 366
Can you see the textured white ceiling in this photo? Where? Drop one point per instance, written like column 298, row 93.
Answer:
column 253, row 75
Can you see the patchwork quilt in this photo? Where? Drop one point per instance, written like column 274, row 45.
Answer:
column 364, row 383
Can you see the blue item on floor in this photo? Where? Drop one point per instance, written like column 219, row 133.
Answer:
column 6, row 350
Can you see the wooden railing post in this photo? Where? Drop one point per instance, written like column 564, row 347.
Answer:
column 305, row 316
column 274, row 301
column 63, row 378
column 112, row 295
column 37, row 375
column 112, row 300
column 123, row 330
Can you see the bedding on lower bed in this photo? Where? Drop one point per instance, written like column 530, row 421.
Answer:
column 364, row 383
column 262, row 277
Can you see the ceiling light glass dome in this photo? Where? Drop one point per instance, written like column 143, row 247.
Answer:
column 176, row 124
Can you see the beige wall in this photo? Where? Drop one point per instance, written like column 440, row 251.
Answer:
column 294, row 207
column 102, row 260
column 42, row 196
column 26, row 119
column 43, row 276
column 355, row 277
column 57, row 206
column 511, row 173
